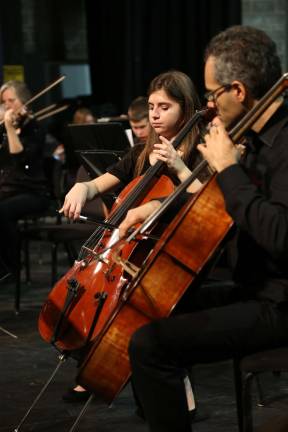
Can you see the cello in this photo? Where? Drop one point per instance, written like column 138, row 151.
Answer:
column 169, row 270
column 80, row 302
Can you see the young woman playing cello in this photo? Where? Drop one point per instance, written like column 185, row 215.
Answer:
column 172, row 101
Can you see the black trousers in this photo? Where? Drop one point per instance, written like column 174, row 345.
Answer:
column 218, row 327
column 13, row 208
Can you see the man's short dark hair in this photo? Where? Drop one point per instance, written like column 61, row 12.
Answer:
column 245, row 54
column 138, row 109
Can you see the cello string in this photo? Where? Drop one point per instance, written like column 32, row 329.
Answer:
column 118, row 242
column 115, row 217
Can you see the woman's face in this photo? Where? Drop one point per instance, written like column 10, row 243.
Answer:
column 10, row 100
column 165, row 114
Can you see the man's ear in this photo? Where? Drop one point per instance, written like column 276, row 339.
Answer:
column 240, row 90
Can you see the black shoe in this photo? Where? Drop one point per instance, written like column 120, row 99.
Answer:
column 74, row 396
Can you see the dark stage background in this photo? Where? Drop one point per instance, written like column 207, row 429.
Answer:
column 131, row 41
column 125, row 43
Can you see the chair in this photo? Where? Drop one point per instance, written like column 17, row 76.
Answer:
column 56, row 233
column 249, row 368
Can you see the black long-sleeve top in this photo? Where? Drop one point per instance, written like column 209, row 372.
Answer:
column 24, row 172
column 256, row 197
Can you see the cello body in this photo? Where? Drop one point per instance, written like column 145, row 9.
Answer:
column 154, row 293
column 90, row 277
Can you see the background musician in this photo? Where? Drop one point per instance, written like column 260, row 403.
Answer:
column 65, row 151
column 139, row 119
column 23, row 184
column 241, row 64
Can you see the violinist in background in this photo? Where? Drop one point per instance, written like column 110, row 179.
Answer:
column 224, row 322
column 23, row 184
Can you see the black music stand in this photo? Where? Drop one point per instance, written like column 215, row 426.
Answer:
column 104, row 136
column 98, row 145
column 97, row 161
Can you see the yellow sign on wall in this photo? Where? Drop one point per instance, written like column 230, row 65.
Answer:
column 13, row 72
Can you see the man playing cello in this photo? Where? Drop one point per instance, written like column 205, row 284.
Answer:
column 241, row 65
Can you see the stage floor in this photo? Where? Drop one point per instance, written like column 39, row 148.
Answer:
column 26, row 363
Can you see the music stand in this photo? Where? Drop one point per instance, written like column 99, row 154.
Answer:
column 105, row 136
column 98, row 145
column 97, row 161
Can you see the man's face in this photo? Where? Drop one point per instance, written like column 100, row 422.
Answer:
column 229, row 107
column 140, row 129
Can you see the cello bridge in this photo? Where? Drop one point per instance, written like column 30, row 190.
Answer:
column 97, row 256
column 129, row 267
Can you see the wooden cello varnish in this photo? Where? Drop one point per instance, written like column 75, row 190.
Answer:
column 170, row 270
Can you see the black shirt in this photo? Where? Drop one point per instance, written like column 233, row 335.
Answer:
column 124, row 170
column 24, row 172
column 256, row 197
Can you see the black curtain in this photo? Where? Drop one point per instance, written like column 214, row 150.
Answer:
column 131, row 41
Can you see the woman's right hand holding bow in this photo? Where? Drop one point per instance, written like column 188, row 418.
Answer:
column 75, row 200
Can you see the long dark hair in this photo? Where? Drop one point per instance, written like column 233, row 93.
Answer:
column 180, row 88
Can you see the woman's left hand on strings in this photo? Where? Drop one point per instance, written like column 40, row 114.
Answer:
column 165, row 152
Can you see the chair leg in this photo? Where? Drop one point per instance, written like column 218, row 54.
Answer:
column 54, row 264
column 260, row 393
column 27, row 260
column 238, row 393
column 247, row 420
column 17, row 294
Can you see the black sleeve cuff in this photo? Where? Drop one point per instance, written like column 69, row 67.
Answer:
column 231, row 178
